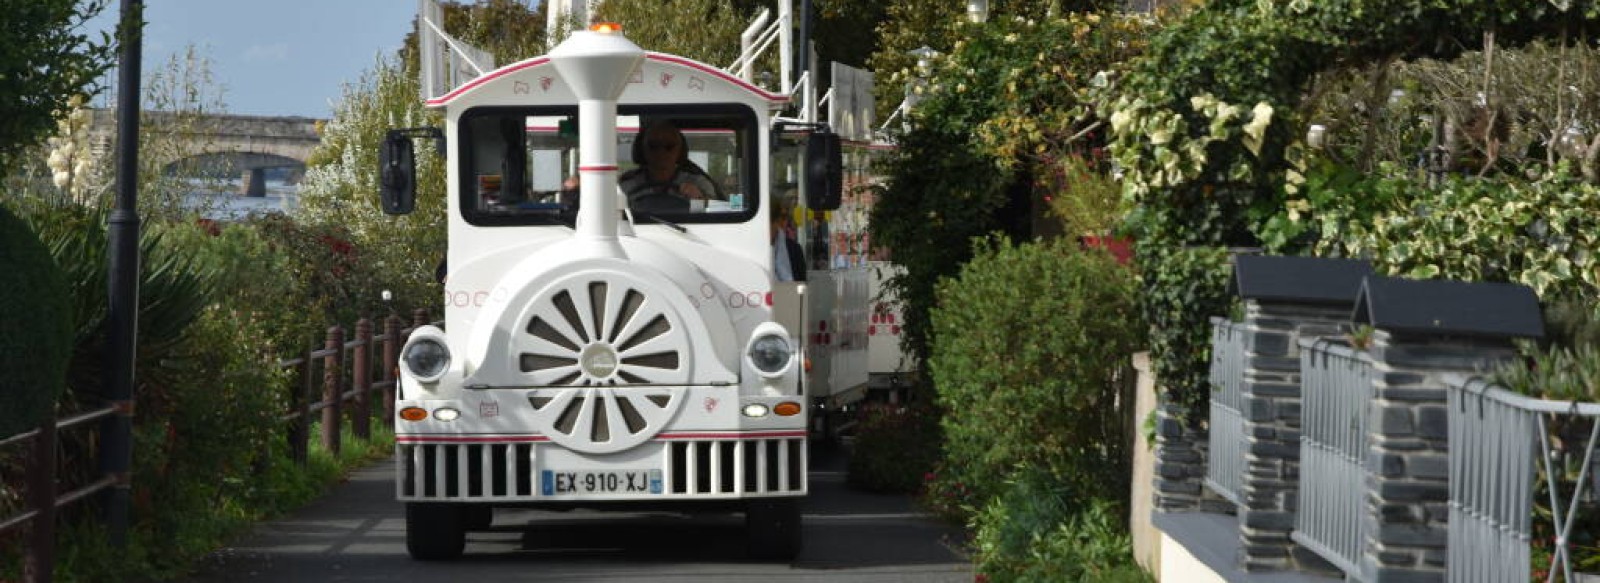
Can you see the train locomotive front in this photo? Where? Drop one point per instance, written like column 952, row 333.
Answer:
column 595, row 352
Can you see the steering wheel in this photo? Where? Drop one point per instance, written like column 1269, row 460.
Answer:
column 659, row 202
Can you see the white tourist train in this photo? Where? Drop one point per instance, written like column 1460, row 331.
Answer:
column 619, row 329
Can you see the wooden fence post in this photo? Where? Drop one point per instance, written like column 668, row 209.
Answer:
column 361, row 377
column 391, row 364
column 300, row 430
column 419, row 318
column 40, row 559
column 332, row 397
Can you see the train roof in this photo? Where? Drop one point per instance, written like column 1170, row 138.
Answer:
column 661, row 78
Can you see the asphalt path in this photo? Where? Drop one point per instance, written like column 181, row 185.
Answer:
column 357, row 533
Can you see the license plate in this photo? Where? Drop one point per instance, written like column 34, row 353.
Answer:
column 576, row 483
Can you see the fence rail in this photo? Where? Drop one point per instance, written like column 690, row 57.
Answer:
column 1495, row 470
column 1225, row 454
column 342, row 380
column 1336, row 385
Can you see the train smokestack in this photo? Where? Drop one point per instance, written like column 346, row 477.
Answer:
column 597, row 64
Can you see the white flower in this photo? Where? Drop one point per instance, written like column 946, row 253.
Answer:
column 61, row 178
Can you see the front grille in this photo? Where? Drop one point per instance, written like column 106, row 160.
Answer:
column 753, row 466
column 509, row 471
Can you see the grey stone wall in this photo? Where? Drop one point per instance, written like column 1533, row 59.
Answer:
column 1180, row 466
column 1407, row 469
column 1272, row 401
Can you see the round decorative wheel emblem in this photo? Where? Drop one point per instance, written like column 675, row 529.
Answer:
column 608, row 359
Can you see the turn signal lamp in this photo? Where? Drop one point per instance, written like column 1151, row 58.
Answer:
column 413, row 413
column 787, row 409
column 606, row 27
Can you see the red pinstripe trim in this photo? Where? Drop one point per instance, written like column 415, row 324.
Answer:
column 487, row 78
column 441, row 100
column 470, row 439
column 719, row 73
column 602, row 168
column 542, row 438
column 731, row 434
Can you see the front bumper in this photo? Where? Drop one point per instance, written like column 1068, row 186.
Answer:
column 692, row 465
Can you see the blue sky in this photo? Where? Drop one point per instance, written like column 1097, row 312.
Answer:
column 275, row 57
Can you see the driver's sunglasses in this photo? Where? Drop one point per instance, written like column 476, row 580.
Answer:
column 661, row 146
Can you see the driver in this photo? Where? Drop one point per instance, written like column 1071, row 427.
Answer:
column 664, row 167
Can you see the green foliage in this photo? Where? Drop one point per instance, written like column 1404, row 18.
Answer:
column 46, row 60
column 1031, row 340
column 704, row 30
column 895, row 446
column 936, row 196
column 348, row 249
column 910, row 24
column 36, row 319
column 1541, row 233
column 1560, row 373
column 1007, row 110
column 1185, row 288
column 1041, row 530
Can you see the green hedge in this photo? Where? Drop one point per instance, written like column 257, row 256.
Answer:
column 1040, row 529
column 35, row 327
column 1030, row 340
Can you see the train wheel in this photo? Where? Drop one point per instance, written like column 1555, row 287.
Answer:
column 435, row 532
column 478, row 516
column 772, row 529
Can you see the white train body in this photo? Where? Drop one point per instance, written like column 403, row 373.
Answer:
column 605, row 362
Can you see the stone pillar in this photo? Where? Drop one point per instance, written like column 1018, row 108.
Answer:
column 253, row 183
column 1408, row 458
column 1423, row 330
column 1180, row 461
column 1286, row 299
column 1271, row 484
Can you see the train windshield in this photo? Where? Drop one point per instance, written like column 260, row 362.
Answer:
column 678, row 164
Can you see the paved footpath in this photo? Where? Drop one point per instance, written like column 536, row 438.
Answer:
column 357, row 533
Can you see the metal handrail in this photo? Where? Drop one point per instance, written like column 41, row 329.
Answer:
column 1335, row 388
column 1496, row 437
column 1225, row 464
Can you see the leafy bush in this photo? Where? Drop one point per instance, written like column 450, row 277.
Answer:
column 987, row 141
column 1041, row 530
column 1031, row 341
column 1541, row 233
column 895, row 446
column 35, row 327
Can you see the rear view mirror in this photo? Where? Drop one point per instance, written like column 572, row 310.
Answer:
column 824, row 172
column 397, row 174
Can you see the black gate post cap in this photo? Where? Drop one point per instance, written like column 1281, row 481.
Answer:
column 1300, row 280
column 1449, row 308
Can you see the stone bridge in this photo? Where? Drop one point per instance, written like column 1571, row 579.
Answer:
column 219, row 145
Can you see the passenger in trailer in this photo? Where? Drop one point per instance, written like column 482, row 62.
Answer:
column 788, row 259
column 665, row 180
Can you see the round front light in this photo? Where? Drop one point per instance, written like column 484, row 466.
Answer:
column 427, row 359
column 770, row 354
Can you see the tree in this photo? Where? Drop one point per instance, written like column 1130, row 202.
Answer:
column 704, row 30
column 45, row 60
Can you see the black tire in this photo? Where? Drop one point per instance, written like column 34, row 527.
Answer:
column 477, row 517
column 772, row 529
column 435, row 532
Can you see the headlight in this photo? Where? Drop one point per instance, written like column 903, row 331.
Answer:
column 426, row 359
column 770, row 354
